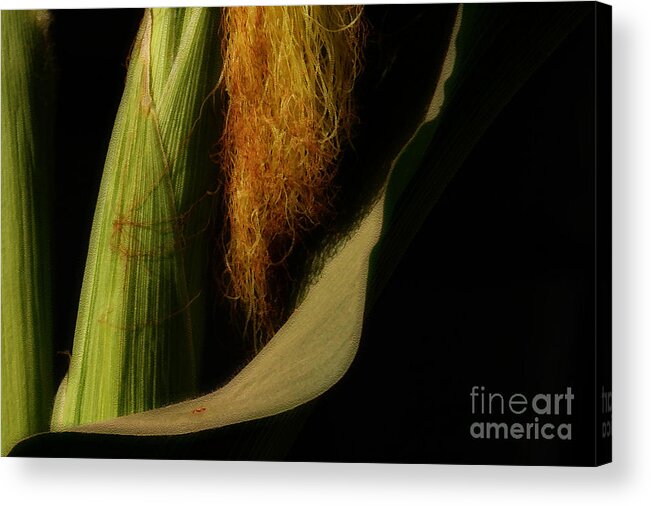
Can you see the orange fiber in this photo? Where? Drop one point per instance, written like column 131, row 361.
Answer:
column 289, row 74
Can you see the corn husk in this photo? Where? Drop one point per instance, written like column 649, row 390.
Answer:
column 27, row 385
column 140, row 322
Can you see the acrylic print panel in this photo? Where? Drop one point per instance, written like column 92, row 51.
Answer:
column 364, row 234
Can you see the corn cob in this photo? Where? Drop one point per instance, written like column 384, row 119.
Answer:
column 140, row 320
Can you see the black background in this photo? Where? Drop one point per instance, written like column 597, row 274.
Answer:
column 496, row 290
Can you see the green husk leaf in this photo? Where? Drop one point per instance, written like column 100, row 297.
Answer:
column 27, row 384
column 140, row 322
